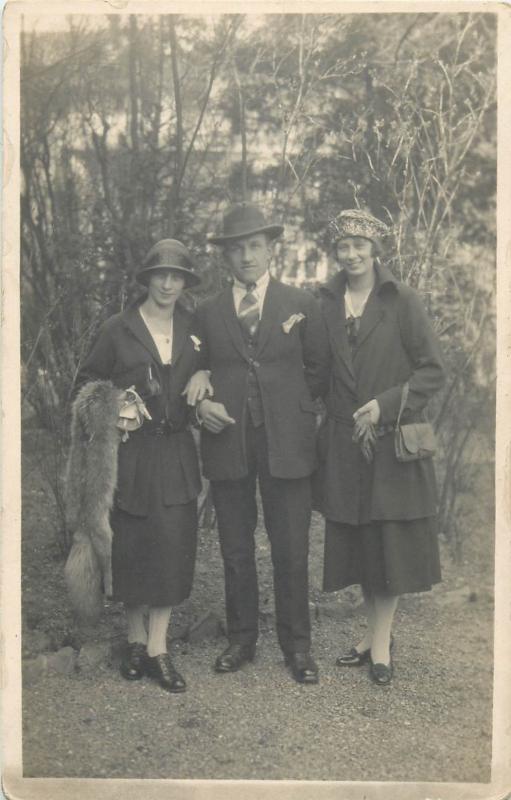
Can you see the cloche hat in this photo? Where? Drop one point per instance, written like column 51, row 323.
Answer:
column 245, row 219
column 168, row 254
column 355, row 222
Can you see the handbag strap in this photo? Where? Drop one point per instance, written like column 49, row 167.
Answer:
column 404, row 398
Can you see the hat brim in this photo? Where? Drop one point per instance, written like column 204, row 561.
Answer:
column 270, row 230
column 190, row 277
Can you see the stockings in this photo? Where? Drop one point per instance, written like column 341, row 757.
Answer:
column 153, row 634
column 380, row 611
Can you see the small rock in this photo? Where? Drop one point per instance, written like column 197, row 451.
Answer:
column 208, row 626
column 179, row 633
column 92, row 654
column 33, row 669
column 456, row 597
column 64, row 661
column 191, row 722
column 35, row 642
column 334, row 609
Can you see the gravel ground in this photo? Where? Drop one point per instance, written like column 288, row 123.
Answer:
column 432, row 724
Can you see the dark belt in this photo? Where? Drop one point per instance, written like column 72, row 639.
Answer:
column 160, row 429
column 380, row 430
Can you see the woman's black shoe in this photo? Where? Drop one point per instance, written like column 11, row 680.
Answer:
column 354, row 658
column 162, row 668
column 382, row 673
column 134, row 661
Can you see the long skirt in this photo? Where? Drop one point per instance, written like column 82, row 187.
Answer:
column 390, row 558
column 153, row 557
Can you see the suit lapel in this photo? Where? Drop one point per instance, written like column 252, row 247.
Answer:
column 228, row 313
column 179, row 334
column 138, row 328
column 270, row 313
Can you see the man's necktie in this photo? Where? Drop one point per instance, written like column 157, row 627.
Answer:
column 248, row 312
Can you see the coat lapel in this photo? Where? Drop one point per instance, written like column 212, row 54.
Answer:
column 138, row 328
column 336, row 323
column 270, row 313
column 230, row 319
column 373, row 313
column 180, row 333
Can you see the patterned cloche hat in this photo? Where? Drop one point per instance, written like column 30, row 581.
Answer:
column 355, row 222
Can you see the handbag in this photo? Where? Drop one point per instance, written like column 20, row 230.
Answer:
column 414, row 440
column 132, row 413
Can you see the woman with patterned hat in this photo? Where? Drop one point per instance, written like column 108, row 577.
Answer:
column 380, row 512
column 151, row 350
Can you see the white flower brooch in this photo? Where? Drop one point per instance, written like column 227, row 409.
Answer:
column 293, row 319
column 196, row 342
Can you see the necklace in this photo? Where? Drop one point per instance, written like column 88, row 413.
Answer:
column 355, row 310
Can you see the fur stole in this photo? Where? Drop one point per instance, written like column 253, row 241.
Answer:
column 91, row 478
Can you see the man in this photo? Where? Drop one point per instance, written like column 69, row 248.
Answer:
column 266, row 349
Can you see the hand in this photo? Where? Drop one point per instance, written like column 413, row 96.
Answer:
column 214, row 417
column 198, row 387
column 368, row 413
column 366, row 417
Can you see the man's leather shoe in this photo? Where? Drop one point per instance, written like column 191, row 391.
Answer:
column 382, row 673
column 162, row 668
column 303, row 667
column 234, row 657
column 133, row 663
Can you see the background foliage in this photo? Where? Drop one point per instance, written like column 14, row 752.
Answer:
column 138, row 127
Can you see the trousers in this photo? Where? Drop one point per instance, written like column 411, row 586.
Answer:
column 287, row 513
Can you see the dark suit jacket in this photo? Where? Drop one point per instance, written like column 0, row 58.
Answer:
column 123, row 353
column 395, row 343
column 291, row 369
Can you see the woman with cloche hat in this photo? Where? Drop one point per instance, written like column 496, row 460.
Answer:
column 151, row 349
column 380, row 511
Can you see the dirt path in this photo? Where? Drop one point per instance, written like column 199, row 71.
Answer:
column 432, row 724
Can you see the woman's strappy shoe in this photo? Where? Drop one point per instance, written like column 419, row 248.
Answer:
column 354, row 658
column 381, row 674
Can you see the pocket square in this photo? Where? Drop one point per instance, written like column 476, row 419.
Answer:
column 196, row 342
column 293, row 319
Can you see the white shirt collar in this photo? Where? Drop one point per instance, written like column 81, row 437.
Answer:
column 239, row 290
column 260, row 284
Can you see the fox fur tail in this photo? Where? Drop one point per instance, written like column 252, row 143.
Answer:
column 91, row 480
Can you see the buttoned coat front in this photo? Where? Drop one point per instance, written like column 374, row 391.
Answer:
column 395, row 343
column 124, row 352
column 291, row 364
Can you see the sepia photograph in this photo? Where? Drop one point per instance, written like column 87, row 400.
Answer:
column 256, row 484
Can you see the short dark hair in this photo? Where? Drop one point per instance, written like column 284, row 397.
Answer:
column 376, row 251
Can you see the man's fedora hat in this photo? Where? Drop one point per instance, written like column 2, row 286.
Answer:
column 168, row 254
column 245, row 219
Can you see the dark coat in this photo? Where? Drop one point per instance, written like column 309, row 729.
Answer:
column 291, row 369
column 123, row 353
column 395, row 344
